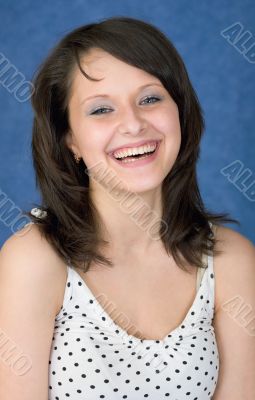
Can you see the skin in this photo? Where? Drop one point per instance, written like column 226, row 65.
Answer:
column 158, row 282
column 31, row 270
column 129, row 117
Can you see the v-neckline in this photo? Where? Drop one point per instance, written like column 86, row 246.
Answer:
column 133, row 339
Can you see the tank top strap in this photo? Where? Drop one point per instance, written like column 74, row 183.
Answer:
column 201, row 271
column 207, row 261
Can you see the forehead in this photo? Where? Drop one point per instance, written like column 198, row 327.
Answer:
column 101, row 65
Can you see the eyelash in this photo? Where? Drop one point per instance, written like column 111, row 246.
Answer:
column 104, row 108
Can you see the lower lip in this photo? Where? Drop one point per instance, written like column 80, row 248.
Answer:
column 140, row 161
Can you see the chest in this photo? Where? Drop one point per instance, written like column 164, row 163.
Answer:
column 147, row 302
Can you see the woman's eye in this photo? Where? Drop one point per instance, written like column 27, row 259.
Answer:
column 96, row 112
column 152, row 97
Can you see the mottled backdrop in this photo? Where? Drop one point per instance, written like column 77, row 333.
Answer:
column 217, row 42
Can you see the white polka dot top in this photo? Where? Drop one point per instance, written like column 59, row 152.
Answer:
column 93, row 358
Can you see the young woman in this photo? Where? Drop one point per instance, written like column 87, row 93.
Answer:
column 122, row 287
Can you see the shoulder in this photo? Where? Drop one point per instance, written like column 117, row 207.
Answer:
column 234, row 267
column 31, row 281
column 233, row 321
column 27, row 257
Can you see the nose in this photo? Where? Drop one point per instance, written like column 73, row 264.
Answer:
column 131, row 122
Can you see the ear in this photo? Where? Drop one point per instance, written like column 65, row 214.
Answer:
column 71, row 143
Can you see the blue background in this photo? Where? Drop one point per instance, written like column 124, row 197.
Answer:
column 223, row 79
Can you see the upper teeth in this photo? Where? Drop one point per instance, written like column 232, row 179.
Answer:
column 136, row 150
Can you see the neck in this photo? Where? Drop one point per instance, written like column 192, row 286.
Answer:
column 131, row 222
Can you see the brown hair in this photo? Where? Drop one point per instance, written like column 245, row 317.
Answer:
column 72, row 222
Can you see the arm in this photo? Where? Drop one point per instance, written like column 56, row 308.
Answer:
column 31, row 285
column 234, row 320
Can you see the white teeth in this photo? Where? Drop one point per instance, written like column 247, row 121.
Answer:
column 130, row 160
column 137, row 150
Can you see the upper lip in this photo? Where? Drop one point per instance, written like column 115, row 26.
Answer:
column 132, row 145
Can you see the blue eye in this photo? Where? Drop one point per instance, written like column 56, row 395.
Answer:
column 96, row 112
column 152, row 97
column 99, row 109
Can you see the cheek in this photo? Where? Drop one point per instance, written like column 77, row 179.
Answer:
column 167, row 117
column 92, row 143
column 89, row 136
column 167, row 122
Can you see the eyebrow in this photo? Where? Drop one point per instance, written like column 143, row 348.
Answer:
column 106, row 95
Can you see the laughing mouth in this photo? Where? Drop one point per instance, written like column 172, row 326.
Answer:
column 136, row 152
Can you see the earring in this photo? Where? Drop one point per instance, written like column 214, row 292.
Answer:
column 77, row 159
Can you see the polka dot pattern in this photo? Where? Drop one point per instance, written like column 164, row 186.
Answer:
column 94, row 358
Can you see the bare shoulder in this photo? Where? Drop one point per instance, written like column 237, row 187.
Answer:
column 32, row 283
column 234, row 267
column 233, row 320
column 28, row 254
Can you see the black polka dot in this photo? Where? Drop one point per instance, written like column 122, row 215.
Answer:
column 104, row 361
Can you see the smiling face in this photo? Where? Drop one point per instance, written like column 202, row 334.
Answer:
column 131, row 108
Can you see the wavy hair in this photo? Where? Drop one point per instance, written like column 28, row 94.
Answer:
column 72, row 222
